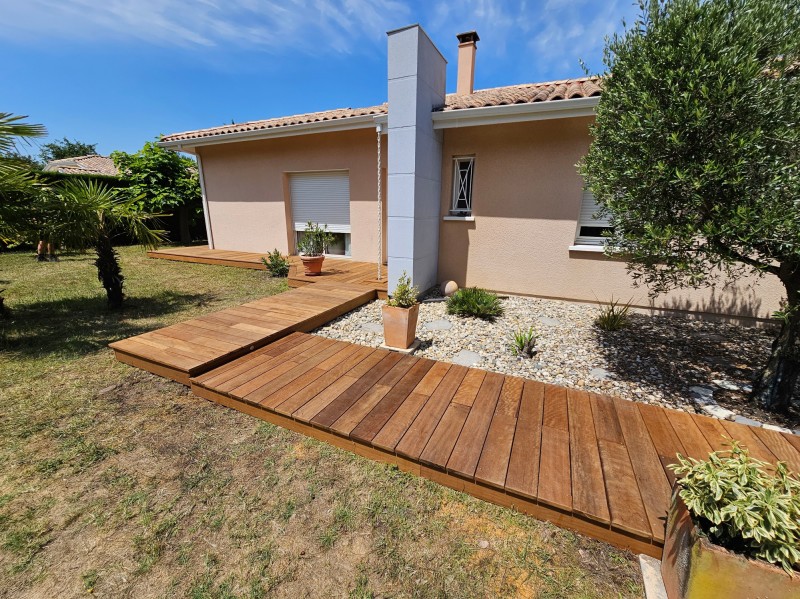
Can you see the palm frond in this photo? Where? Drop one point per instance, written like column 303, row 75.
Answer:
column 12, row 130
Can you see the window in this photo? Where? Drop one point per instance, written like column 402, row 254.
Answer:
column 339, row 247
column 462, row 186
column 323, row 198
column 590, row 229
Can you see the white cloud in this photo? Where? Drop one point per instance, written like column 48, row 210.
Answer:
column 272, row 25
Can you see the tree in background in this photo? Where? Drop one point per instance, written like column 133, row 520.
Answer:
column 66, row 148
column 89, row 215
column 696, row 155
column 164, row 181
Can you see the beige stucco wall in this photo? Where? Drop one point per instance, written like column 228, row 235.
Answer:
column 526, row 200
column 246, row 186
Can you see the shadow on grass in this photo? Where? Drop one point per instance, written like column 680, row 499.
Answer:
column 674, row 353
column 73, row 327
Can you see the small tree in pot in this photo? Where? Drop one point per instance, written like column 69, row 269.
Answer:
column 312, row 247
column 733, row 529
column 400, row 315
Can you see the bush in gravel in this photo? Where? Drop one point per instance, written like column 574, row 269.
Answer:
column 277, row 264
column 613, row 316
column 473, row 301
column 523, row 342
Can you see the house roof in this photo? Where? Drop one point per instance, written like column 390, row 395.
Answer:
column 91, row 164
column 550, row 91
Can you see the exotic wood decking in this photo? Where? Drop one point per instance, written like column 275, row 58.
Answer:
column 585, row 461
column 335, row 270
column 195, row 346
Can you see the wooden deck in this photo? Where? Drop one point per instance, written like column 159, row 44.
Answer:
column 335, row 270
column 592, row 463
column 195, row 346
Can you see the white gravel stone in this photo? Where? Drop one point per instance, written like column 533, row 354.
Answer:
column 723, row 384
column 718, row 411
column 467, row 358
column 658, row 359
column 747, row 421
column 779, row 429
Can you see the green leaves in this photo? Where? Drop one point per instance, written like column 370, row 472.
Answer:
column 743, row 506
column 405, row 294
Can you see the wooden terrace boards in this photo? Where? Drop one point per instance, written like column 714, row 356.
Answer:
column 335, row 270
column 589, row 462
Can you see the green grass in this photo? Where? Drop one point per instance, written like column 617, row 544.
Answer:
column 120, row 482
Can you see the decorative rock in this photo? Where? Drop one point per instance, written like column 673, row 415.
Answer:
column 466, row 358
column 747, row 421
column 702, row 395
column 747, row 389
column 600, row 373
column 483, row 544
column 723, row 384
column 775, row 428
column 448, row 288
column 549, row 322
column 439, row 325
column 372, row 327
column 717, row 411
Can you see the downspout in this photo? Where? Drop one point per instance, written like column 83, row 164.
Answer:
column 206, row 215
column 379, row 130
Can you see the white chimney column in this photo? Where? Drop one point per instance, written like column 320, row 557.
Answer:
column 467, row 47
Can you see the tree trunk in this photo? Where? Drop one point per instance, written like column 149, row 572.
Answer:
column 183, row 224
column 774, row 386
column 109, row 272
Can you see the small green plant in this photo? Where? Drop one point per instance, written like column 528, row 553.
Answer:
column 742, row 506
column 474, row 301
column 405, row 294
column 523, row 342
column 315, row 240
column 277, row 264
column 89, row 579
column 613, row 316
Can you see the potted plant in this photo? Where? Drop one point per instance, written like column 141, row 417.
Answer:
column 312, row 247
column 733, row 529
column 400, row 315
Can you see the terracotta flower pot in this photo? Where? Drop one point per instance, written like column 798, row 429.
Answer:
column 400, row 326
column 693, row 568
column 312, row 265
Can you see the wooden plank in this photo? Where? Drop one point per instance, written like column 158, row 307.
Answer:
column 780, row 448
column 555, row 486
column 445, row 435
column 493, row 465
column 467, row 451
column 373, row 422
column 694, row 442
column 624, row 502
column 588, row 488
column 654, row 486
column 716, row 435
column 663, row 436
column 745, row 435
column 419, row 433
column 523, row 465
column 606, row 424
column 469, row 388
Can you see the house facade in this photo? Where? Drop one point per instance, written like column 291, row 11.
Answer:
column 480, row 187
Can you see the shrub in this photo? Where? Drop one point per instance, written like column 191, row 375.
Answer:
column 473, row 301
column 523, row 342
column 405, row 295
column 277, row 264
column 741, row 506
column 613, row 316
column 314, row 240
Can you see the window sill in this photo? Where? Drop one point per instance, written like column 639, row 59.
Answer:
column 599, row 249
column 461, row 218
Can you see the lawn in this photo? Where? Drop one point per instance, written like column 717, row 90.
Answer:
column 120, row 483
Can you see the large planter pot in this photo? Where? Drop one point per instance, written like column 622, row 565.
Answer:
column 400, row 326
column 694, row 568
column 312, row 265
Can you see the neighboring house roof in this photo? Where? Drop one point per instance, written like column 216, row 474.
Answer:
column 567, row 89
column 92, row 164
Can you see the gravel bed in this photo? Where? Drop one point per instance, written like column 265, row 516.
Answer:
column 670, row 361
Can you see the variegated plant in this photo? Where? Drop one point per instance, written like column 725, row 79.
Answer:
column 744, row 504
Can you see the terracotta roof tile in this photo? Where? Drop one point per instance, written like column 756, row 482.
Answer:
column 499, row 96
column 92, row 164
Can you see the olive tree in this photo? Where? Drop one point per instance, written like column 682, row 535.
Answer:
column 695, row 155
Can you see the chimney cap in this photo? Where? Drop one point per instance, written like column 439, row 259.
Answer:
column 468, row 36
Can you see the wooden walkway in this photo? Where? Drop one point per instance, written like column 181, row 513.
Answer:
column 585, row 461
column 335, row 270
column 195, row 346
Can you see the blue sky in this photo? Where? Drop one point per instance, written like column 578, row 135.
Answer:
column 121, row 72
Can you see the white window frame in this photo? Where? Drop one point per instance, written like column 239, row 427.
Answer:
column 588, row 208
column 459, row 185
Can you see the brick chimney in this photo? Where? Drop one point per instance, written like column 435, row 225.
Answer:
column 466, row 62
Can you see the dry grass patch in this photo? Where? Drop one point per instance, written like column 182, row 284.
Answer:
column 123, row 484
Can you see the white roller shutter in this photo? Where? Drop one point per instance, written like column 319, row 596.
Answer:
column 322, row 198
column 589, row 208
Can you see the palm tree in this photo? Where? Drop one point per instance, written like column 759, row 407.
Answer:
column 87, row 215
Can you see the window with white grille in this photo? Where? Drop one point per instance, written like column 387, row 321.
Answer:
column 591, row 229
column 463, row 169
